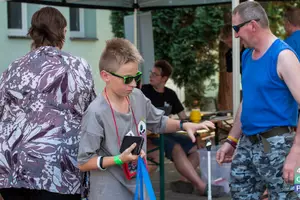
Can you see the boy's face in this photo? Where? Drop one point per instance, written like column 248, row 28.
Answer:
column 117, row 84
column 156, row 79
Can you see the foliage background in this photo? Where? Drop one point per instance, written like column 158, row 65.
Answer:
column 188, row 39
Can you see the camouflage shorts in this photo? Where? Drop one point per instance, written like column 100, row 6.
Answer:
column 252, row 170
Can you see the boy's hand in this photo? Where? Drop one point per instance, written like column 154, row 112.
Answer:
column 142, row 154
column 191, row 128
column 127, row 156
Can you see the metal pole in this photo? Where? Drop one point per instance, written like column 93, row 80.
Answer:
column 135, row 19
column 236, row 67
column 208, row 147
column 162, row 167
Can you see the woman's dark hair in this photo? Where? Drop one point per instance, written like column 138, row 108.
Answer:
column 47, row 28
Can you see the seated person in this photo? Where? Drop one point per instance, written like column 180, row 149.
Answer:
column 178, row 147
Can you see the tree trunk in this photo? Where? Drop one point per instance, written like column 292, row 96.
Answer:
column 225, row 95
column 225, row 98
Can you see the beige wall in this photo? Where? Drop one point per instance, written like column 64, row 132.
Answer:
column 13, row 48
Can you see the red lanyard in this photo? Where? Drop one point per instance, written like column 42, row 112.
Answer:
column 114, row 118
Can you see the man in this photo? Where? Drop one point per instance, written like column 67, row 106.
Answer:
column 268, row 150
column 178, row 147
column 292, row 28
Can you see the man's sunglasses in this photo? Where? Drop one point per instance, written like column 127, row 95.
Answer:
column 236, row 28
column 128, row 79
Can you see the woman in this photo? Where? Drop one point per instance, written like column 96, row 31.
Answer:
column 43, row 96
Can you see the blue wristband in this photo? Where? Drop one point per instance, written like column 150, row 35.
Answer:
column 181, row 124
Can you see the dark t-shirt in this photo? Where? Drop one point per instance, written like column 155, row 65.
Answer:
column 163, row 100
column 228, row 57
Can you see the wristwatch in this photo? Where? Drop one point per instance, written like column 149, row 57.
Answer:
column 181, row 124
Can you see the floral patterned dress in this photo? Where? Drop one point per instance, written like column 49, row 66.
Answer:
column 43, row 96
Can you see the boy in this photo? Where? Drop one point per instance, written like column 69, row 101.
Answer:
column 120, row 110
column 178, row 147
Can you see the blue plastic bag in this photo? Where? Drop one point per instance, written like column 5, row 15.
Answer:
column 142, row 178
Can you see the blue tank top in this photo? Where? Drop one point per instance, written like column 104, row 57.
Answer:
column 294, row 42
column 267, row 101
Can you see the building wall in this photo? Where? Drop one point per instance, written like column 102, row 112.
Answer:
column 96, row 24
column 179, row 91
column 13, row 48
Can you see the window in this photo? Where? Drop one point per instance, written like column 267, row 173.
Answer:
column 17, row 19
column 77, row 22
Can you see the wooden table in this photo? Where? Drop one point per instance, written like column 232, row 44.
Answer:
column 216, row 120
column 201, row 135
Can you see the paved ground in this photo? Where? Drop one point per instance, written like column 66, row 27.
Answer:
column 172, row 175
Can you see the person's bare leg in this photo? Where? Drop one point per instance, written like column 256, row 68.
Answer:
column 194, row 159
column 152, row 167
column 185, row 167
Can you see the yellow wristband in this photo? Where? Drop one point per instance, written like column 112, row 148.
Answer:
column 232, row 139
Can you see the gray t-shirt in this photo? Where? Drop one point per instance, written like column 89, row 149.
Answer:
column 99, row 137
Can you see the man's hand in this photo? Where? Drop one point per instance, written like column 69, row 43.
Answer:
column 191, row 128
column 290, row 165
column 225, row 153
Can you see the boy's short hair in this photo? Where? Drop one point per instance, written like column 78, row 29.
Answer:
column 165, row 66
column 118, row 51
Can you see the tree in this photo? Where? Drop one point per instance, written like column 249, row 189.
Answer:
column 275, row 12
column 225, row 89
column 187, row 38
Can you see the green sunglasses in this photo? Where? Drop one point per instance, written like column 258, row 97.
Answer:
column 128, row 79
